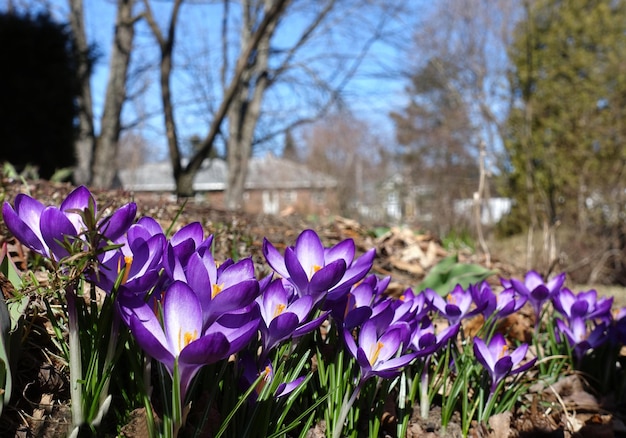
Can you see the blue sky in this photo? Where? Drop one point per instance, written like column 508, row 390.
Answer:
column 369, row 97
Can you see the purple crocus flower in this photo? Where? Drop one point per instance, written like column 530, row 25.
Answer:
column 410, row 306
column 584, row 305
column 456, row 306
column 315, row 270
column 381, row 349
column 181, row 338
column 251, row 373
column 495, row 305
column 356, row 308
column 284, row 315
column 222, row 289
column 44, row 229
column 424, row 340
column 579, row 337
column 186, row 241
column 535, row 289
column 138, row 259
column 498, row 360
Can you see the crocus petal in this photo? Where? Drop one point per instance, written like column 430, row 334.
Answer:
column 368, row 337
column 309, row 251
column 308, row 327
column 344, row 250
column 557, row 282
column 328, row 276
column 483, row 355
column 287, row 388
column 78, row 199
column 230, row 299
column 396, row 363
column 350, row 342
column 182, row 316
column 359, row 268
column 356, row 317
column 54, row 227
column 502, row 367
column 296, row 272
column 243, row 269
column 150, row 337
column 27, row 233
column 274, row 259
column 301, row 307
column 533, row 279
column 119, row 222
column 390, row 341
column 207, row 349
column 192, row 232
column 238, row 329
column 281, row 328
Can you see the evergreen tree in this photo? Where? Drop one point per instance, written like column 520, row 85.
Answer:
column 38, row 90
column 566, row 134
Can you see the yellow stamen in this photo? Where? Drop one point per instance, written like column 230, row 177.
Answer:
column 376, row 352
column 450, row 298
column 505, row 348
column 314, row 269
column 279, row 309
column 128, row 261
column 217, row 288
column 186, row 338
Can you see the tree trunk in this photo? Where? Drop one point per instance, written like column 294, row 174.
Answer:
column 184, row 185
column 244, row 111
column 104, row 166
column 85, row 140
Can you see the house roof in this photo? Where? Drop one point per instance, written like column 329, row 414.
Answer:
column 268, row 172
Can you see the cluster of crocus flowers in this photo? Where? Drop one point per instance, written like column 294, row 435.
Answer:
column 46, row 229
column 187, row 310
column 585, row 319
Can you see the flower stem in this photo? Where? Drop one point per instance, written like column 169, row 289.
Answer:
column 76, row 369
column 424, row 399
column 345, row 409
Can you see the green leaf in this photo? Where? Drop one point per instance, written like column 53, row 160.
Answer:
column 11, row 315
column 446, row 274
column 6, row 381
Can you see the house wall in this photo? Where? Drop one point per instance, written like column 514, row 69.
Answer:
column 277, row 201
column 301, row 201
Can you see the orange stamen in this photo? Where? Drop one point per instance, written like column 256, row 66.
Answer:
column 505, row 348
column 128, row 260
column 266, row 378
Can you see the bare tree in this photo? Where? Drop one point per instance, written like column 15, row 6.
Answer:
column 254, row 39
column 257, row 64
column 345, row 148
column 85, row 141
column 463, row 43
column 96, row 154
